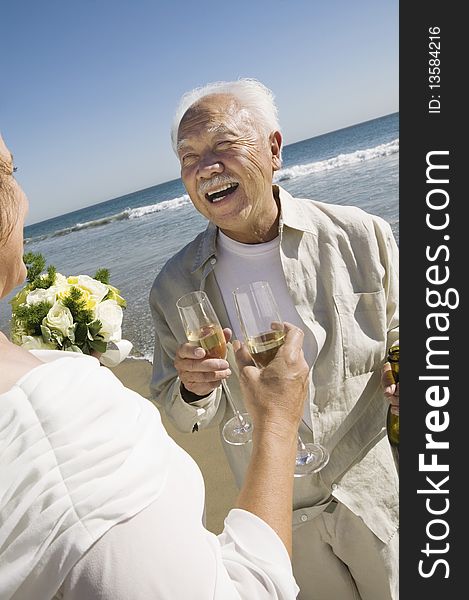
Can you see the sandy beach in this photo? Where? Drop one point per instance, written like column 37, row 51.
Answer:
column 204, row 447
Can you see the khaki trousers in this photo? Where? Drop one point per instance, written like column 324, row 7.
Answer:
column 336, row 557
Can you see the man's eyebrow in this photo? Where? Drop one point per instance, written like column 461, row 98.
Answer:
column 183, row 144
column 221, row 128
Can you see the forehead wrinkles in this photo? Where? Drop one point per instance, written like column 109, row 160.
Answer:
column 224, row 117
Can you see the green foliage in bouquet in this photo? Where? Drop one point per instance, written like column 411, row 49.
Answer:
column 31, row 316
column 80, row 314
column 35, row 264
column 102, row 275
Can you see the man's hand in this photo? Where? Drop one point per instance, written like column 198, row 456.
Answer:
column 200, row 375
column 275, row 395
column 390, row 388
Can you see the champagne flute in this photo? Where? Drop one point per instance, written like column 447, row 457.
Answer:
column 263, row 331
column 203, row 329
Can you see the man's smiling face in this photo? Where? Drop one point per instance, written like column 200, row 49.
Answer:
column 227, row 165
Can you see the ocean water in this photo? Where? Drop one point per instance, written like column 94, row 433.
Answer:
column 134, row 235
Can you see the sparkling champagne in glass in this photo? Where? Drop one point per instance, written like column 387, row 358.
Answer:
column 263, row 332
column 203, row 329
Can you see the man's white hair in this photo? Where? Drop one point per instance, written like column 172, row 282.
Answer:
column 253, row 95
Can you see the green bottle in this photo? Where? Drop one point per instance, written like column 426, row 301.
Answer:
column 392, row 420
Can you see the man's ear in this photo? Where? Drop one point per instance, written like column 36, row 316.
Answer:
column 275, row 147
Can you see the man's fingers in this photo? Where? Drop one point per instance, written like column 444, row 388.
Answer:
column 387, row 381
column 190, row 351
column 208, row 365
column 201, row 389
column 201, row 377
column 227, row 333
column 387, row 377
column 187, row 360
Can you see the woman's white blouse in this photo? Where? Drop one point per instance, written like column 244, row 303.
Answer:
column 98, row 502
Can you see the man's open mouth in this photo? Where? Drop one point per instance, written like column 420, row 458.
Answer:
column 222, row 192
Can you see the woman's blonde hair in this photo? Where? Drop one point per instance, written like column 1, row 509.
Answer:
column 8, row 203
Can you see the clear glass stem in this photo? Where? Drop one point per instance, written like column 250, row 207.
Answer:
column 310, row 458
column 238, row 415
column 300, row 445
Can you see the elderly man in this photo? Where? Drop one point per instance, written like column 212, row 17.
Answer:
column 333, row 270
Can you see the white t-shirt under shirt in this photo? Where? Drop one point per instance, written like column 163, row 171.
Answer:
column 239, row 264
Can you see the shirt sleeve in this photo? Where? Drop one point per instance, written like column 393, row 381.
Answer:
column 389, row 255
column 255, row 560
column 165, row 552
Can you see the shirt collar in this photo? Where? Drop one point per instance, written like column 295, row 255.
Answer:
column 292, row 213
column 207, row 247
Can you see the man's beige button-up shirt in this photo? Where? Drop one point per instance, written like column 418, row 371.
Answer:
column 340, row 265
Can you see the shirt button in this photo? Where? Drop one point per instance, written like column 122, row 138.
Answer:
column 334, row 486
column 304, row 518
column 213, row 261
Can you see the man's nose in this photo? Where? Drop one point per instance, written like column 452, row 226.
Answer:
column 210, row 166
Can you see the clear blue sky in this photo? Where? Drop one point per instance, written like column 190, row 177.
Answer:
column 89, row 87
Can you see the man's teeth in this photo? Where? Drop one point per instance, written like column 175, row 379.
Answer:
column 220, row 193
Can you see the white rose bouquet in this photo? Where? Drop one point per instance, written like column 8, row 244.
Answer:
column 76, row 313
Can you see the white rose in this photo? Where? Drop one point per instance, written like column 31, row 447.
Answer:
column 59, row 318
column 60, row 281
column 35, row 342
column 96, row 289
column 60, row 285
column 40, row 295
column 110, row 314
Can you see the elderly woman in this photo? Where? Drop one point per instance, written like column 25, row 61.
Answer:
column 97, row 501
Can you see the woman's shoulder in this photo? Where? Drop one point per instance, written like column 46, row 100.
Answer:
column 15, row 363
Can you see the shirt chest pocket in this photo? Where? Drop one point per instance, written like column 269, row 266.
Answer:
column 363, row 331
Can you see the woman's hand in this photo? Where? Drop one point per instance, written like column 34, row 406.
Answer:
column 275, row 395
